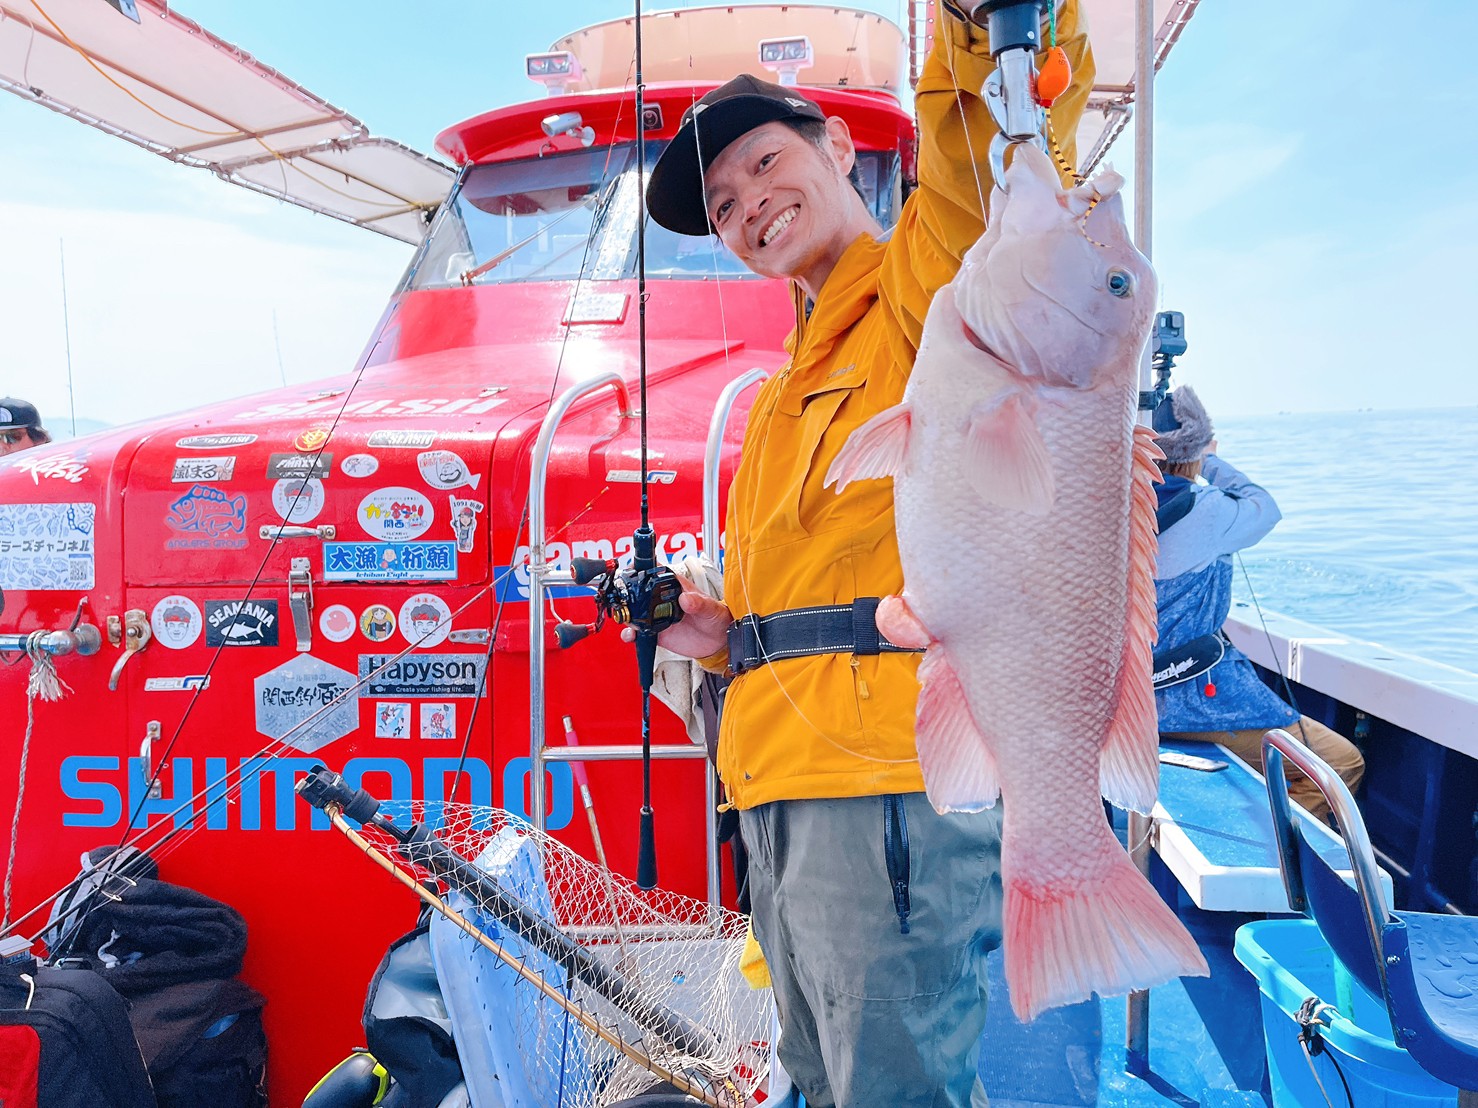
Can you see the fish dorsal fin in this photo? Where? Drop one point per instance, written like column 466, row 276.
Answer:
column 1129, row 768
column 1005, row 457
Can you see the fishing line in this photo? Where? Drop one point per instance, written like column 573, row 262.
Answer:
column 1273, row 651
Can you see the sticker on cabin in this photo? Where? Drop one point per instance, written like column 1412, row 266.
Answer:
column 47, row 546
column 310, row 440
column 438, row 721
column 390, row 561
column 464, row 522
column 338, row 623
column 176, row 622
column 485, row 401
column 401, row 439
column 188, row 683
column 395, row 513
column 425, row 620
column 219, row 468
column 359, row 465
column 440, row 676
column 633, row 476
column 298, row 499
column 377, row 623
column 306, row 689
column 392, row 720
column 215, row 520
column 213, row 442
column 445, row 470
column 299, row 465
column 241, row 623
column 66, row 466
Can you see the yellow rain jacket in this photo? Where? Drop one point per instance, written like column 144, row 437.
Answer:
column 840, row 725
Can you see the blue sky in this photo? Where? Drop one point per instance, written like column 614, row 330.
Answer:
column 1313, row 217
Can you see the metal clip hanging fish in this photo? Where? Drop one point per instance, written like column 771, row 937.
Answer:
column 1014, row 28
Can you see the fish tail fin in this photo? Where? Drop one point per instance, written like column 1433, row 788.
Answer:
column 1129, row 768
column 959, row 769
column 1006, row 459
column 875, row 449
column 1067, row 938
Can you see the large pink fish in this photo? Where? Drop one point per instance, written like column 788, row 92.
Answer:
column 1025, row 510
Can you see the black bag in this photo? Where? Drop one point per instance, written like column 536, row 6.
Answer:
column 88, row 1055
column 406, row 1024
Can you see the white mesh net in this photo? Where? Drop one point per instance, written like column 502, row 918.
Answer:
column 655, row 971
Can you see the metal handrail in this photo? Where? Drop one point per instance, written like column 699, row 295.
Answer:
column 538, row 478
column 713, row 455
column 1278, row 744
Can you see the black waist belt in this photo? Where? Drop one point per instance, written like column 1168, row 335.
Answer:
column 1175, row 664
column 796, row 632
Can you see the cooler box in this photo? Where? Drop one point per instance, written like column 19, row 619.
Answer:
column 1292, row 962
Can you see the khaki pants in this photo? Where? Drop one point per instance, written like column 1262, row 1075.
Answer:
column 1331, row 746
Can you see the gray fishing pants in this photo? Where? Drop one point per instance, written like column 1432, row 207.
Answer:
column 871, row 1017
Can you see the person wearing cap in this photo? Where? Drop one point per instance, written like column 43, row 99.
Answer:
column 20, row 426
column 1206, row 689
column 874, row 913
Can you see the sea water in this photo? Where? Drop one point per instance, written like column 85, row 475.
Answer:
column 1379, row 537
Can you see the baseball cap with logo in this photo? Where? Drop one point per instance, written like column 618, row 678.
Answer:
column 16, row 415
column 675, row 192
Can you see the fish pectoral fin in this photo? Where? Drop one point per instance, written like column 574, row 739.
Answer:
column 959, row 769
column 1129, row 769
column 900, row 626
column 876, row 449
column 1005, row 458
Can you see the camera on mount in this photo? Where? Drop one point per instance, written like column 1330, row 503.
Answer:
column 1167, row 342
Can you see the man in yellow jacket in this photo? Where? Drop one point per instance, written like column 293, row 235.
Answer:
column 874, row 913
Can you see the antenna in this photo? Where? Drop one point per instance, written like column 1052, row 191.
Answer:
column 67, row 337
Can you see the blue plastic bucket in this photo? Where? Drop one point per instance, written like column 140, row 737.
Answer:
column 1292, row 962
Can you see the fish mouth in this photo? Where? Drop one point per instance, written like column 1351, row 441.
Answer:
column 979, row 343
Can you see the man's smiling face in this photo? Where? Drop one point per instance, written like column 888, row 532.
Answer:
column 783, row 205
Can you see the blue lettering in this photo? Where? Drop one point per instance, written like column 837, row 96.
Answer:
column 559, row 791
column 180, row 805
column 217, row 790
column 479, row 785
column 355, row 771
column 108, row 798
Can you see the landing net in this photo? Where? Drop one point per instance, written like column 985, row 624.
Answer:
column 657, row 970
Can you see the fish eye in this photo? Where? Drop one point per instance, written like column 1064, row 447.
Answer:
column 1121, row 282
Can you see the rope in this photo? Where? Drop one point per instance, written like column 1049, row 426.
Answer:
column 45, row 684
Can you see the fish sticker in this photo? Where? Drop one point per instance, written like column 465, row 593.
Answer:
column 1016, row 440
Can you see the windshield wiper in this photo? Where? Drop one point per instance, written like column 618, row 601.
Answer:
column 471, row 275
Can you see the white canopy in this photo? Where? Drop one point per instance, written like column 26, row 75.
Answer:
column 172, row 87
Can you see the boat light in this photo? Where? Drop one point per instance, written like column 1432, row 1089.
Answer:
column 557, row 71
column 786, row 57
column 568, row 123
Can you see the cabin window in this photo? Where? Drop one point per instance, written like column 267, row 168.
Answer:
column 573, row 215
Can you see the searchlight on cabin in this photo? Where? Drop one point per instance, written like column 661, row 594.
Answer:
column 786, row 57
column 568, row 123
column 557, row 71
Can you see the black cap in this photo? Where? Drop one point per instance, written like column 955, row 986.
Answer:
column 675, row 192
column 17, row 414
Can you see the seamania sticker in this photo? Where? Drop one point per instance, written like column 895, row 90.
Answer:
column 311, row 440
column 337, row 623
column 299, row 690
column 395, row 513
column 445, row 469
column 401, row 439
column 299, row 465
column 389, row 561
column 215, row 520
column 377, row 623
column 188, row 683
column 472, row 405
column 359, row 465
column 47, row 546
column 218, row 468
column 176, row 622
column 433, row 675
column 241, row 623
column 392, row 720
column 438, row 721
column 55, row 467
column 213, row 442
column 425, row 620
column 464, row 522
column 298, row 499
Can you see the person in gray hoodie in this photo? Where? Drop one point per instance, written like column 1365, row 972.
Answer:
column 1205, row 688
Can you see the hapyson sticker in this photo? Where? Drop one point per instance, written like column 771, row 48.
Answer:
column 425, row 620
column 395, row 514
column 176, row 622
column 298, row 499
column 445, row 470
